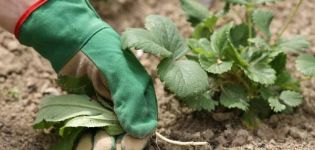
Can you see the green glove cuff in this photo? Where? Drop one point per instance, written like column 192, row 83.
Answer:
column 59, row 28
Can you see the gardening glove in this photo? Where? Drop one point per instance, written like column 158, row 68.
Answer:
column 102, row 141
column 62, row 29
column 81, row 65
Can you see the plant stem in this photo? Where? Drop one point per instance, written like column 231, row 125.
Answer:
column 179, row 142
column 239, row 77
column 290, row 18
column 249, row 11
column 237, row 55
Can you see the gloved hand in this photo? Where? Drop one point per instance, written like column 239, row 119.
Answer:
column 71, row 35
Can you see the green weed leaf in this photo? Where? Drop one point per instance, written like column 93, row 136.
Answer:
column 76, row 85
column 183, row 77
column 194, row 11
column 306, row 64
column 68, row 140
column 93, row 121
column 234, row 96
column 114, row 130
column 262, row 19
column 61, row 108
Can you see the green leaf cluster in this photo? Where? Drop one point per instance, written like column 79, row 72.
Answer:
column 182, row 76
column 72, row 114
column 237, row 66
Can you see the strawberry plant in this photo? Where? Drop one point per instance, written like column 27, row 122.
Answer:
column 234, row 65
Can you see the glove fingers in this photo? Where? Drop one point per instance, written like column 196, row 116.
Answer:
column 130, row 143
column 85, row 142
column 100, row 141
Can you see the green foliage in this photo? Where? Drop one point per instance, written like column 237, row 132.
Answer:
column 206, row 27
column 68, row 140
column 73, row 111
column 262, row 19
column 194, row 11
column 202, row 102
column 142, row 39
column 234, row 96
column 291, row 98
column 80, row 85
column 71, row 114
column 275, row 104
column 184, row 77
column 237, row 66
column 305, row 64
column 295, row 44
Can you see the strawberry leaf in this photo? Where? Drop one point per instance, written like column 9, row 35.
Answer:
column 261, row 73
column 183, row 77
column 306, row 64
column 161, row 38
column 214, row 65
column 291, row 98
column 219, row 42
column 166, row 33
column 201, row 102
column 194, row 11
column 262, row 20
column 205, row 28
column 144, row 40
column 234, row 96
column 276, row 105
column 295, row 44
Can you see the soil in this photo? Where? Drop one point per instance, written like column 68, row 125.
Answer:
column 25, row 78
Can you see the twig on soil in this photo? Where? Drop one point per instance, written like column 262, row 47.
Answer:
column 191, row 143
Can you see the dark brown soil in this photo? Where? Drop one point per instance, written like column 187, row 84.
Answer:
column 25, row 78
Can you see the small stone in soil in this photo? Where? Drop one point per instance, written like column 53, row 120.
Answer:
column 241, row 138
column 297, row 133
column 1, row 124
